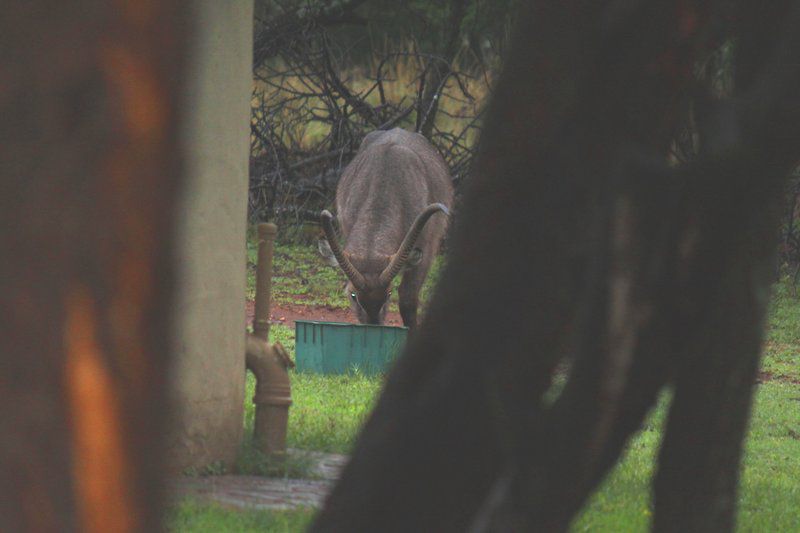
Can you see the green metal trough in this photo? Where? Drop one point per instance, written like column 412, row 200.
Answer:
column 338, row 348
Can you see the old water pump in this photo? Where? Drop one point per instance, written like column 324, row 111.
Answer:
column 269, row 362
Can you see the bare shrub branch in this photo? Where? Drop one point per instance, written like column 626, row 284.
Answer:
column 312, row 106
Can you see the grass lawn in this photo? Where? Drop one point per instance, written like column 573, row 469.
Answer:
column 329, row 410
column 199, row 518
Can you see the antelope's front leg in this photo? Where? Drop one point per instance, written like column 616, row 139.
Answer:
column 408, row 296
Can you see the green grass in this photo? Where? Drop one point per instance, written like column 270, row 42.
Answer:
column 325, row 416
column 782, row 349
column 328, row 411
column 770, row 484
column 299, row 276
column 771, row 476
column 191, row 516
column 770, row 487
column 623, row 501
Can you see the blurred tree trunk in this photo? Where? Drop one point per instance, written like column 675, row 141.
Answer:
column 88, row 176
column 734, row 210
column 577, row 242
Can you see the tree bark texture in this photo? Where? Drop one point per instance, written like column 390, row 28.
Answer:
column 577, row 242
column 88, row 179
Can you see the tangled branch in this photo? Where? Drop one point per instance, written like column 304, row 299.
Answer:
column 312, row 106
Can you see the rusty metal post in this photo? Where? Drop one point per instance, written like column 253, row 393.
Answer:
column 269, row 363
column 266, row 246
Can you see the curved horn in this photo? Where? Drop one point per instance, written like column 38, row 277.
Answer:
column 327, row 226
column 399, row 259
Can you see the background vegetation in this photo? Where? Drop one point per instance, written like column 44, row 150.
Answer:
column 327, row 73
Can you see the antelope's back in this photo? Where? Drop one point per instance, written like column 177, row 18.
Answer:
column 392, row 178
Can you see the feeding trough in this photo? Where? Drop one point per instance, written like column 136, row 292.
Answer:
column 339, row 348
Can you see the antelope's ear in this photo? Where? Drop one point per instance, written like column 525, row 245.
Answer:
column 414, row 258
column 326, row 252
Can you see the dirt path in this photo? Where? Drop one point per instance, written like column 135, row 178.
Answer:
column 286, row 314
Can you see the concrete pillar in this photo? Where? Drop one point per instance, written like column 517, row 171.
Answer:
column 208, row 375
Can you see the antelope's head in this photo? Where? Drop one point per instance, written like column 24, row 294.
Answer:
column 370, row 278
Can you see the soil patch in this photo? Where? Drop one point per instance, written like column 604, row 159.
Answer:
column 286, row 314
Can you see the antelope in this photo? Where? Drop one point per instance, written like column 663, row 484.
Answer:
column 386, row 200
